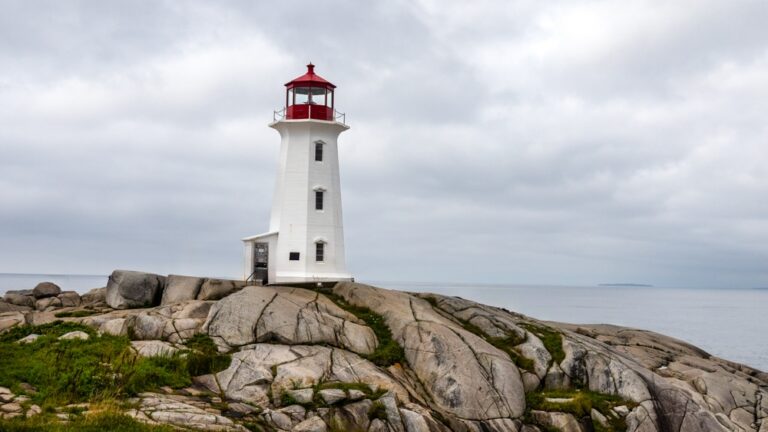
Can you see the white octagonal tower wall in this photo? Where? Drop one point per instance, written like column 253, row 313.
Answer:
column 299, row 225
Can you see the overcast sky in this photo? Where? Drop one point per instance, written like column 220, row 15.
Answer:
column 572, row 142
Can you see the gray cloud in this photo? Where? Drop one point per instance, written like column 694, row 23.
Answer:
column 567, row 142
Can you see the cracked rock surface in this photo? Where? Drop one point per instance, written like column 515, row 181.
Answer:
column 285, row 315
column 302, row 360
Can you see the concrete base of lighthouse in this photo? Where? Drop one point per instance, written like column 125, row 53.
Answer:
column 261, row 265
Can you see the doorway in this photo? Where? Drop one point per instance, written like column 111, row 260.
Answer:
column 261, row 262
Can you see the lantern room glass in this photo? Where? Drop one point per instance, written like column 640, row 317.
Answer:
column 301, row 95
column 310, row 95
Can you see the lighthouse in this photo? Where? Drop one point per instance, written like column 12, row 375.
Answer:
column 305, row 241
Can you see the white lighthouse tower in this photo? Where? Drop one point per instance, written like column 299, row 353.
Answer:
column 305, row 241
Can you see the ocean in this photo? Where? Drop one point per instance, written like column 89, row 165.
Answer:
column 728, row 323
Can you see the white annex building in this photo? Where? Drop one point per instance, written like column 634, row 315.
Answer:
column 305, row 241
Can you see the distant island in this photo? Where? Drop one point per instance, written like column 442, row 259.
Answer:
column 625, row 285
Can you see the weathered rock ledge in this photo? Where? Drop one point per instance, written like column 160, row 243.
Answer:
column 359, row 358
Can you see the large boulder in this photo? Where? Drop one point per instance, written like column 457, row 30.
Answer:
column 261, row 370
column 48, row 303
column 10, row 319
column 174, row 323
column 285, row 315
column 131, row 289
column 26, row 292
column 463, row 374
column 9, row 307
column 217, row 289
column 180, row 289
column 96, row 295
column 69, row 299
column 180, row 412
column 19, row 300
column 46, row 289
column 154, row 348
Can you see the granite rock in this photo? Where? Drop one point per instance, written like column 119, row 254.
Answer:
column 46, row 289
column 131, row 289
column 180, row 289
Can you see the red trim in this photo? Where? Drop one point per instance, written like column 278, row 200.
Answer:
column 294, row 111
column 310, row 78
column 307, row 111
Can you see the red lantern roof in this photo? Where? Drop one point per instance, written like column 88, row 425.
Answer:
column 310, row 79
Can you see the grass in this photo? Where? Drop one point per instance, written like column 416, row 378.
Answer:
column 286, row 399
column 112, row 421
column 56, row 328
column 101, row 368
column 388, row 352
column 581, row 405
column 506, row 343
column 75, row 314
column 552, row 340
column 377, row 411
column 203, row 357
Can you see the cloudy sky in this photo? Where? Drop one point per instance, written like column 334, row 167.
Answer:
column 561, row 142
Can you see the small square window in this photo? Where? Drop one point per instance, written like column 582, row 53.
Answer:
column 293, row 256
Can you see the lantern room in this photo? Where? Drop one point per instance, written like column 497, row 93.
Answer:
column 309, row 97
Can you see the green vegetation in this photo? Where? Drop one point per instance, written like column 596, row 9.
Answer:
column 75, row 314
column 508, row 344
column 552, row 340
column 101, row 368
column 388, row 352
column 581, row 405
column 287, row 399
column 112, row 421
column 377, row 411
column 56, row 329
column 203, row 357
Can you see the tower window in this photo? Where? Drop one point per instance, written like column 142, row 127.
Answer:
column 318, row 200
column 319, row 251
column 318, row 152
column 293, row 256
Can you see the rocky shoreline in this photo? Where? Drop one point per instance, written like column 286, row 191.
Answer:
column 359, row 358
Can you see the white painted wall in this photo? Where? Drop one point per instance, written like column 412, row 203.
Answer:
column 250, row 243
column 293, row 217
